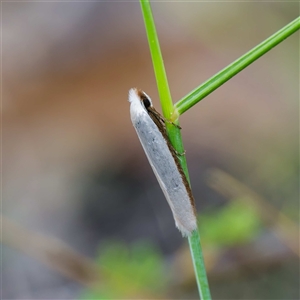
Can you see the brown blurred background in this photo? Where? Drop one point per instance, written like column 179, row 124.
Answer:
column 72, row 166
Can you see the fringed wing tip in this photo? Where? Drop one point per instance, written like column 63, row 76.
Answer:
column 131, row 94
column 184, row 231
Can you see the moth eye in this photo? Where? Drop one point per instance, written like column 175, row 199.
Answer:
column 146, row 102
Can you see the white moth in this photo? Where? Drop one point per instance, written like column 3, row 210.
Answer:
column 150, row 128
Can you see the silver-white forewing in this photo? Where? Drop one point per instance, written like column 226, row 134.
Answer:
column 164, row 167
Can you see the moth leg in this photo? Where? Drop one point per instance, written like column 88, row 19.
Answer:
column 173, row 124
column 176, row 152
column 180, row 154
column 162, row 119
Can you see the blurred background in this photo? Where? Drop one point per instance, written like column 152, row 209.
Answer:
column 83, row 215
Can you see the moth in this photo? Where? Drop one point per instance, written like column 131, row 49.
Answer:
column 163, row 158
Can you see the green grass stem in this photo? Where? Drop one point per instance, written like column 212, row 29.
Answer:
column 237, row 66
column 157, row 60
column 175, row 138
column 171, row 112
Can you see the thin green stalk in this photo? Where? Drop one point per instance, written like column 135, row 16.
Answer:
column 175, row 138
column 172, row 112
column 157, row 60
column 237, row 66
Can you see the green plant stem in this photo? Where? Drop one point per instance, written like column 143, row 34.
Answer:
column 237, row 66
column 194, row 239
column 175, row 138
column 198, row 261
column 157, row 60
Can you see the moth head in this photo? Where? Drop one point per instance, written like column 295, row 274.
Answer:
column 146, row 101
column 144, row 98
column 139, row 95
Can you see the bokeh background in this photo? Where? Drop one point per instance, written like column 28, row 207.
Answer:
column 83, row 216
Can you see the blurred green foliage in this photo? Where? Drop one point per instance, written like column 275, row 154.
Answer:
column 137, row 271
column 129, row 272
column 236, row 223
column 279, row 178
